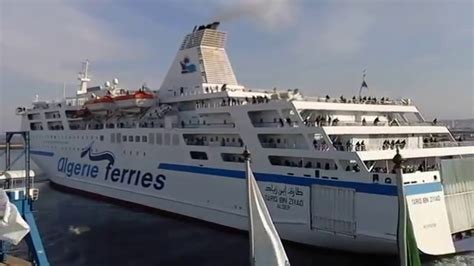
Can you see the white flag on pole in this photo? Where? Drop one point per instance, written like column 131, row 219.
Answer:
column 266, row 246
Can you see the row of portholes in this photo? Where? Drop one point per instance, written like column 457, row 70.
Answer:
column 74, row 149
column 101, row 137
column 134, row 153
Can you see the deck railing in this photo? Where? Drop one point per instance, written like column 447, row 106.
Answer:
column 443, row 144
column 359, row 101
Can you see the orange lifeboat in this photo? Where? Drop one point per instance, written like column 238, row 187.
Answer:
column 138, row 99
column 99, row 104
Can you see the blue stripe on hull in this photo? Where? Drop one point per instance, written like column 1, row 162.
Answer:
column 42, row 153
column 423, row 188
column 389, row 190
column 379, row 189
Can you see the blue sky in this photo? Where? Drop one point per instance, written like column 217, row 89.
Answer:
column 419, row 49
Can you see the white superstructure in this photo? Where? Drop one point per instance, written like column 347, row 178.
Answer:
column 323, row 164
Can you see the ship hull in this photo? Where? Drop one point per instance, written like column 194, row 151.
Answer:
column 290, row 232
column 164, row 180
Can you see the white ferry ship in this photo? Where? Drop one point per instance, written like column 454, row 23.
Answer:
column 324, row 164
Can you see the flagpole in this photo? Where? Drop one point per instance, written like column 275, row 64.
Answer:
column 402, row 221
column 246, row 155
column 364, row 83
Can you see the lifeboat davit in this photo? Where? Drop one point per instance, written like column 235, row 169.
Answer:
column 100, row 104
column 138, row 99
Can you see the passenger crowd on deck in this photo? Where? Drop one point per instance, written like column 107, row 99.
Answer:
column 409, row 168
column 390, row 145
column 360, row 100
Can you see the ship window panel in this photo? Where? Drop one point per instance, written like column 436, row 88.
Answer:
column 283, row 141
column 144, row 139
column 130, row 138
column 175, row 139
column 349, row 165
column 198, row 155
column 301, row 162
column 112, row 137
column 167, row 139
column 101, row 137
column 151, row 138
column 267, row 118
column 159, row 139
column 232, row 157
column 52, row 115
column 119, row 137
column 36, row 126
column 34, row 116
column 137, row 138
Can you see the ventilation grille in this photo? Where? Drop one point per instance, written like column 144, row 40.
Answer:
column 217, row 67
column 207, row 37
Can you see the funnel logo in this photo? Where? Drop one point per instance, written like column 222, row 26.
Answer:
column 118, row 175
column 186, row 66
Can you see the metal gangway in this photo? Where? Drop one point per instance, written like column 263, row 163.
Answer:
column 19, row 186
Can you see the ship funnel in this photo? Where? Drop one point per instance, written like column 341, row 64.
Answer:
column 201, row 58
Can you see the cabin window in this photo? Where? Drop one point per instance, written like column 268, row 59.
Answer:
column 151, row 138
column 130, row 138
column 167, row 139
column 175, row 139
column 300, row 162
column 198, row 155
column 101, row 137
column 119, row 137
column 144, row 139
column 137, row 138
column 112, row 137
column 159, row 139
column 232, row 157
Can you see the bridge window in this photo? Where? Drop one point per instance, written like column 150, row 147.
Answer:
column 232, row 157
column 198, row 155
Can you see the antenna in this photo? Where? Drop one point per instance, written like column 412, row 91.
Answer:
column 84, row 75
column 64, row 90
column 84, row 78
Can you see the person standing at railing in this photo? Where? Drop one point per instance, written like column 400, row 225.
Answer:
column 376, row 121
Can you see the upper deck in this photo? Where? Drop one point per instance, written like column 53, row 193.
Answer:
column 200, row 97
